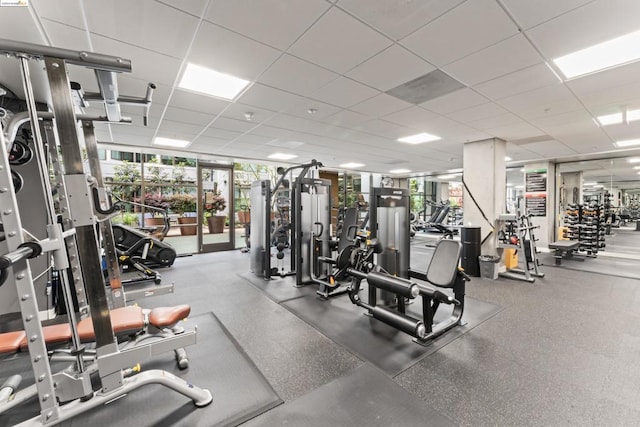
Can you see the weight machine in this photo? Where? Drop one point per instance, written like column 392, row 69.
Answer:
column 72, row 243
column 381, row 256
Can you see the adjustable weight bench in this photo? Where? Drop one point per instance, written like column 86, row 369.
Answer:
column 564, row 249
column 128, row 323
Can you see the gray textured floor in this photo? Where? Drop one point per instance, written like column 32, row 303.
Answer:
column 564, row 351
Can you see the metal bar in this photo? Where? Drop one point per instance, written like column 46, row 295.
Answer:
column 108, row 241
column 72, row 249
column 83, row 58
column 85, row 234
column 108, row 84
column 10, row 218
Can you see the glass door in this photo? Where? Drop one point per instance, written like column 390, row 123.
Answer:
column 216, row 222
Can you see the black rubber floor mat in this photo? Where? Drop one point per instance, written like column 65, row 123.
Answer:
column 364, row 397
column 279, row 289
column 385, row 347
column 217, row 362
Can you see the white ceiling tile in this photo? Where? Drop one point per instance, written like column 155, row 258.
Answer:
column 206, row 144
column 271, row 99
column 143, row 23
column 414, row 117
column 249, row 138
column 468, row 28
column 295, row 75
column 234, row 125
column 494, row 121
column 510, row 55
column 168, row 128
column 238, row 111
column 214, row 132
column 145, row 64
column 197, row 102
column 188, row 116
column 615, row 98
column 194, row 7
column 271, row 132
column 231, row 53
column 398, row 18
column 478, row 112
column 346, row 118
column 554, row 99
column 550, row 120
column 275, row 22
column 344, row 92
column 513, row 131
column 623, row 131
column 67, row 37
column 16, row 23
column 63, row 11
column 384, row 129
column 322, row 110
column 461, row 133
column 593, row 23
column 529, row 14
column 517, row 82
column 454, row 101
column 392, row 67
column 286, row 121
column 339, row 42
column 380, row 105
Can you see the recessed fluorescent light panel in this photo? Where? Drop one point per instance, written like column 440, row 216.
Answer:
column 419, row 138
column 589, row 183
column 627, row 143
column 282, row 156
column 351, row 165
column 617, row 118
column 507, row 159
column 210, row 82
column 636, row 167
column 601, row 56
column 399, row 171
column 634, row 160
column 169, row 142
column 446, row 176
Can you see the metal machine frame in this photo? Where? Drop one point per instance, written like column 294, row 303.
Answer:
column 76, row 231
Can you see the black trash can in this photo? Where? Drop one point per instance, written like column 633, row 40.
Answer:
column 471, row 248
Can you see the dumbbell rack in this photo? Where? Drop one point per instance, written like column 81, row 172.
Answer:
column 585, row 224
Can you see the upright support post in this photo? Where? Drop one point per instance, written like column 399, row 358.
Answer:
column 108, row 241
column 82, row 208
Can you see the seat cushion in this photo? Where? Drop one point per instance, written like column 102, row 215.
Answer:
column 10, row 341
column 162, row 317
column 53, row 334
column 124, row 321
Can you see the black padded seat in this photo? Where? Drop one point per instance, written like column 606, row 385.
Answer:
column 443, row 267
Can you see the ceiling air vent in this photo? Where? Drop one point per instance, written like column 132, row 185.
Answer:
column 426, row 88
column 395, row 162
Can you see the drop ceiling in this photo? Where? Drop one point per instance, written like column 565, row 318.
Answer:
column 321, row 72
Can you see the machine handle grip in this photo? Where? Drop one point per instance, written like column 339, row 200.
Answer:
column 444, row 298
column 25, row 250
column 321, row 228
column 96, row 203
column 147, row 98
column 464, row 275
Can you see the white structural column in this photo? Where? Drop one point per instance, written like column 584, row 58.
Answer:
column 485, row 177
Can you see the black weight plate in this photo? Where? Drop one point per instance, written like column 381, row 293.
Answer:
column 18, row 181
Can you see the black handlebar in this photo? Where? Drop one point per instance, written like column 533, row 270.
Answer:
column 24, row 251
column 96, row 203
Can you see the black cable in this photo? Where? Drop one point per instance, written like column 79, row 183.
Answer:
column 481, row 211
